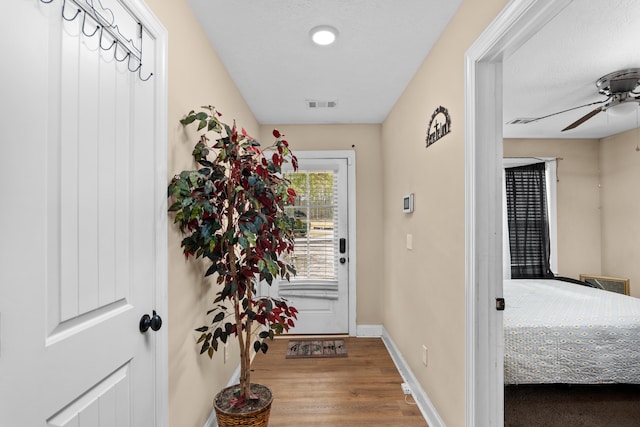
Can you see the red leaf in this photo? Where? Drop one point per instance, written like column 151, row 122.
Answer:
column 276, row 133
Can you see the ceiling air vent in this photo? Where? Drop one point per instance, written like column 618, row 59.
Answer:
column 312, row 103
column 522, row 121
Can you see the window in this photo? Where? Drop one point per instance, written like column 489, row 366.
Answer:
column 315, row 212
column 528, row 221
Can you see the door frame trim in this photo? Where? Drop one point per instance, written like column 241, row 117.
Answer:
column 350, row 157
column 514, row 25
column 160, row 128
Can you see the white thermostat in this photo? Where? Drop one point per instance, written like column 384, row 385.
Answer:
column 407, row 203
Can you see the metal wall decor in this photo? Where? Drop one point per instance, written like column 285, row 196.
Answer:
column 439, row 125
column 99, row 20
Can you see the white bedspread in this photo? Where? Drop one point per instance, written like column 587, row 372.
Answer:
column 559, row 332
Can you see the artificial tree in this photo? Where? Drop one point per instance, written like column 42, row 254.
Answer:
column 231, row 210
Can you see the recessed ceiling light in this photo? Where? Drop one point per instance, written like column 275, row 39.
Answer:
column 323, row 35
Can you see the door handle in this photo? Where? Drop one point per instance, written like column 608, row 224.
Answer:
column 343, row 245
column 154, row 322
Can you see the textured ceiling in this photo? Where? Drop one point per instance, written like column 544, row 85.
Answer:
column 558, row 67
column 265, row 45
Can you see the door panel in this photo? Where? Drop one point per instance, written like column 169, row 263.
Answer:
column 107, row 404
column 79, row 230
column 320, row 288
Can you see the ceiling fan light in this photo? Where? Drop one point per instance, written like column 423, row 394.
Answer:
column 623, row 109
column 323, row 35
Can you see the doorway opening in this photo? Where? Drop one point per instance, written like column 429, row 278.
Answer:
column 483, row 220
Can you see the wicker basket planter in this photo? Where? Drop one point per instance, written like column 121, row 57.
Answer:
column 253, row 415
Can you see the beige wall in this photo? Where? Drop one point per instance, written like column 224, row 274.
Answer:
column 620, row 166
column 578, row 198
column 365, row 141
column 424, row 288
column 196, row 77
column 598, row 206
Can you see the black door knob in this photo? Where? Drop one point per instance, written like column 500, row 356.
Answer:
column 154, row 322
column 343, row 260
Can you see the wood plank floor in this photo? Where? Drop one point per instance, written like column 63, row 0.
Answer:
column 362, row 389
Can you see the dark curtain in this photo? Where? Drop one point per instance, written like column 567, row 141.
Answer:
column 528, row 221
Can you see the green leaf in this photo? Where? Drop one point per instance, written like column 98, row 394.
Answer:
column 210, row 352
column 175, row 207
column 212, row 269
column 256, row 346
column 264, row 334
column 188, row 120
column 194, row 177
column 243, row 242
column 203, row 329
column 205, row 347
column 201, row 116
column 202, row 125
column 264, row 347
column 250, row 237
column 218, row 317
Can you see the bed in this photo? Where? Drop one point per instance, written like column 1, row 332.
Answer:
column 559, row 332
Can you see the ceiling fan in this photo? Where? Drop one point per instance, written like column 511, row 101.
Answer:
column 619, row 87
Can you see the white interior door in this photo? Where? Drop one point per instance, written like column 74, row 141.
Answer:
column 81, row 210
column 320, row 289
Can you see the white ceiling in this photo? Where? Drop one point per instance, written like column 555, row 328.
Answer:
column 558, row 67
column 265, row 45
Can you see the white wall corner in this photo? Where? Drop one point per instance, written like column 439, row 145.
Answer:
column 427, row 409
column 369, row 331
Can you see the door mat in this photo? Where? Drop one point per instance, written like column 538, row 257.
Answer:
column 316, row 348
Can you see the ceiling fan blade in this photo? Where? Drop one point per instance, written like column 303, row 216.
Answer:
column 583, row 119
column 572, row 108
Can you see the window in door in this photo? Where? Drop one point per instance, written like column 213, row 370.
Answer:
column 315, row 213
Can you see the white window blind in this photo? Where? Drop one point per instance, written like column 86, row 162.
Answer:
column 315, row 210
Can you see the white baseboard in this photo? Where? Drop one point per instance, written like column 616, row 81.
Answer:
column 419, row 396
column 369, row 331
column 212, row 421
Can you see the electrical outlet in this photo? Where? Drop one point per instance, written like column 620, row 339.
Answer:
column 405, row 388
column 424, row 355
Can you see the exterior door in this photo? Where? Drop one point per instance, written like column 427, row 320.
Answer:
column 82, row 207
column 320, row 289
